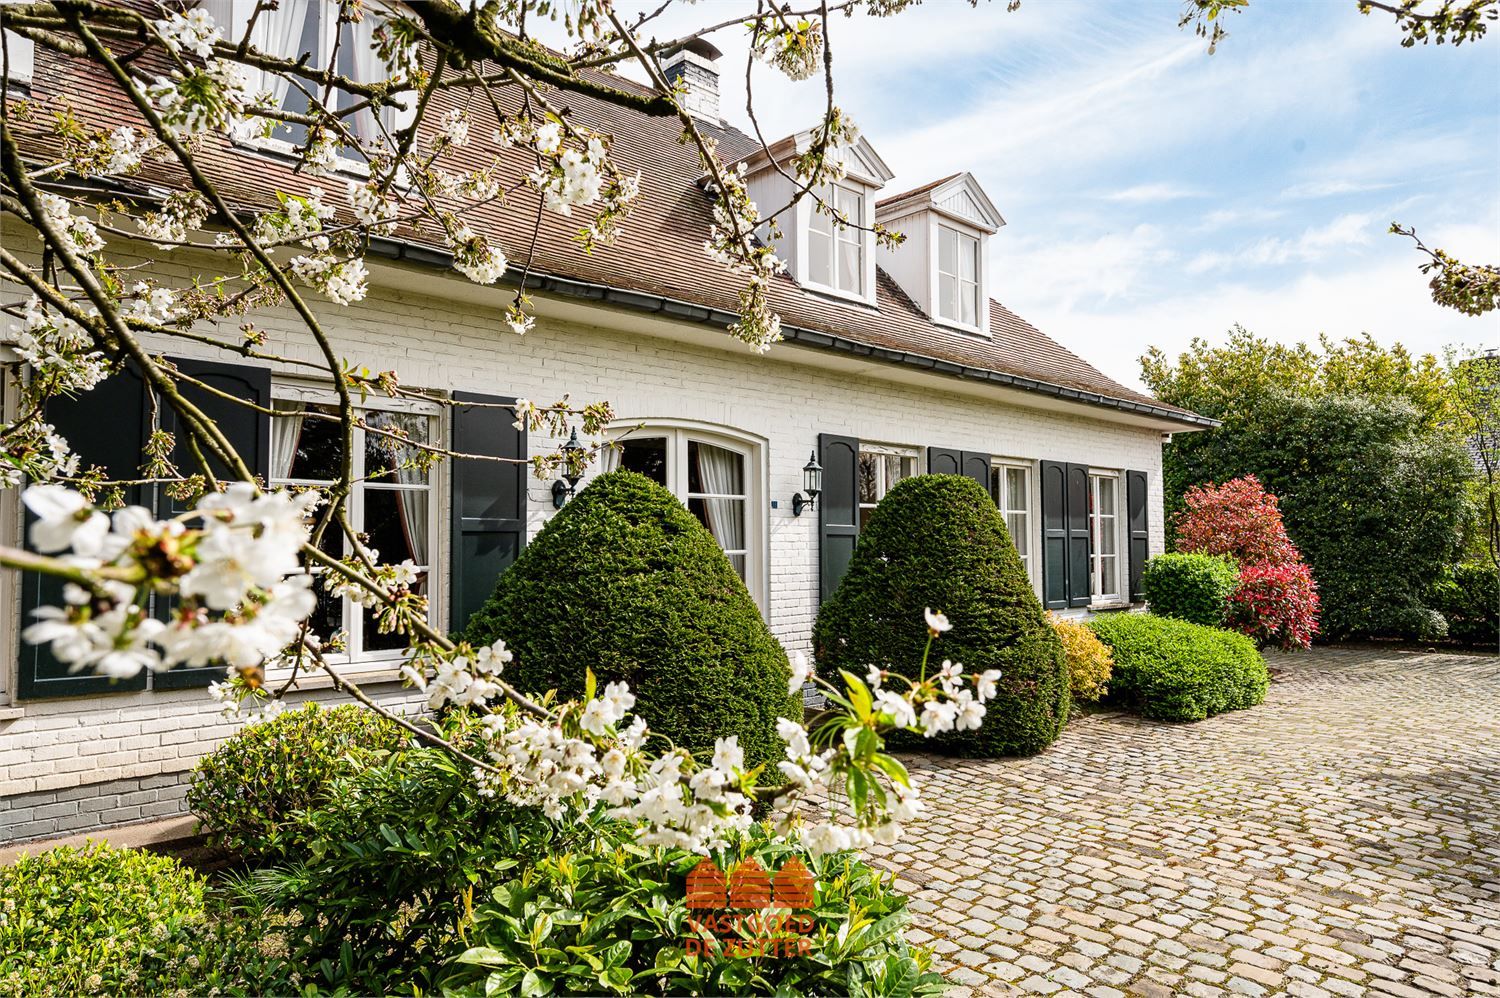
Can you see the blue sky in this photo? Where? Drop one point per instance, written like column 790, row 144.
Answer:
column 1154, row 192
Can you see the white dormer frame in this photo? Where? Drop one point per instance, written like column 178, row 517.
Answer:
column 958, row 204
column 866, row 174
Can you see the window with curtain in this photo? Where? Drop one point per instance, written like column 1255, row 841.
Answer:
column 714, row 477
column 958, row 276
column 391, row 503
column 1010, row 487
column 836, row 257
column 311, row 29
column 880, row 467
column 1104, row 537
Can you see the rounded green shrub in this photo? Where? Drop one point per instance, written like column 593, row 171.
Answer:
column 1173, row 670
column 99, row 920
column 1191, row 587
column 247, row 792
column 938, row 541
column 625, row 581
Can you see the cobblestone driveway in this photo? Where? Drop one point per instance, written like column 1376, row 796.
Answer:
column 1342, row 839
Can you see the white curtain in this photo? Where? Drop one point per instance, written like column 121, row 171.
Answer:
column 359, row 42
column 721, row 472
column 286, row 431
column 413, row 503
column 279, row 32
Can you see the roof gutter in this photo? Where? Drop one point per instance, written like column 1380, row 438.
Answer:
column 672, row 308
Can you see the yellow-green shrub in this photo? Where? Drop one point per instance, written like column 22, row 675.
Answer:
column 1090, row 661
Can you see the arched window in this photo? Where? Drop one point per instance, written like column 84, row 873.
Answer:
column 718, row 474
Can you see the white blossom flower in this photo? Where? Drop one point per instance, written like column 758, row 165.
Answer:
column 986, row 686
column 801, row 669
column 937, row 623
column 193, row 30
column 64, row 520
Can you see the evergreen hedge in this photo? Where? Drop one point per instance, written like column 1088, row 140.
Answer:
column 938, row 541
column 626, row 581
column 1192, row 587
column 1173, row 670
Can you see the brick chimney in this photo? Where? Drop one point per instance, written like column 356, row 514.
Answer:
column 696, row 65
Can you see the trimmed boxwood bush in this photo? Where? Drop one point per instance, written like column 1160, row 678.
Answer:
column 938, row 541
column 99, row 920
column 248, row 790
column 626, row 581
column 1192, row 587
column 1468, row 597
column 1172, row 670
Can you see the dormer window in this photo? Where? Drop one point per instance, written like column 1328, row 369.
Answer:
column 941, row 263
column 836, row 254
column 821, row 254
column 958, row 276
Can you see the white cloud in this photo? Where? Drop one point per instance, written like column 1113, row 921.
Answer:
column 1314, row 244
column 1150, row 193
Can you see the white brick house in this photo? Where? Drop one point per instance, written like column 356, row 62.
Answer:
column 895, row 364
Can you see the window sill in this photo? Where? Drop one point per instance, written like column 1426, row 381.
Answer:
column 825, row 291
column 951, row 326
column 12, row 713
column 1113, row 606
column 285, row 153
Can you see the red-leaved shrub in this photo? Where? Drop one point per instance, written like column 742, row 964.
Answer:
column 1275, row 605
column 1238, row 518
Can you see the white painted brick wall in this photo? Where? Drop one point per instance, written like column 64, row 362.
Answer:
column 446, row 339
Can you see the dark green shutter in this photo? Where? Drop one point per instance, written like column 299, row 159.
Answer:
column 946, row 461
column 942, row 461
column 105, row 427
column 1136, row 507
column 489, row 500
column 1065, row 535
column 1078, row 535
column 977, row 467
column 1054, row 535
column 838, row 509
column 248, row 432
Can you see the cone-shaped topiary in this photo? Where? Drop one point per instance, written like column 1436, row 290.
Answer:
column 626, row 581
column 938, row 541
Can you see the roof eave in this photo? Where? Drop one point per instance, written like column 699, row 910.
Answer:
column 682, row 311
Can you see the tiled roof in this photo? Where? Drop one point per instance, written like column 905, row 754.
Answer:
column 914, row 191
column 660, row 251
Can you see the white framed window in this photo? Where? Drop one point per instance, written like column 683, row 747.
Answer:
column 1010, row 487
column 958, row 277
column 1104, row 536
column 311, row 28
column 20, row 56
column 836, row 255
column 718, row 474
column 394, row 502
column 880, row 467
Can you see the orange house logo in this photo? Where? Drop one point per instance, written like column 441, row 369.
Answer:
column 751, row 912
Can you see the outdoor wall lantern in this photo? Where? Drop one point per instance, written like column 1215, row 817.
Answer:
column 812, row 484
column 572, row 465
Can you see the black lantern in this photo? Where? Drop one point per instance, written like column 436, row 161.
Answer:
column 572, row 464
column 812, row 484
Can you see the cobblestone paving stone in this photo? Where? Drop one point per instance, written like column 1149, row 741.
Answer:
column 1341, row 840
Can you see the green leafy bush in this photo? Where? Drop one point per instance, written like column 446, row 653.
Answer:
column 938, row 541
column 247, row 792
column 626, row 581
column 1468, row 597
column 613, row 919
column 1371, row 493
column 102, row 921
column 374, row 901
column 1191, row 587
column 1172, row 670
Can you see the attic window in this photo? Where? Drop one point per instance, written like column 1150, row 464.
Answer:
column 836, row 256
column 958, row 276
